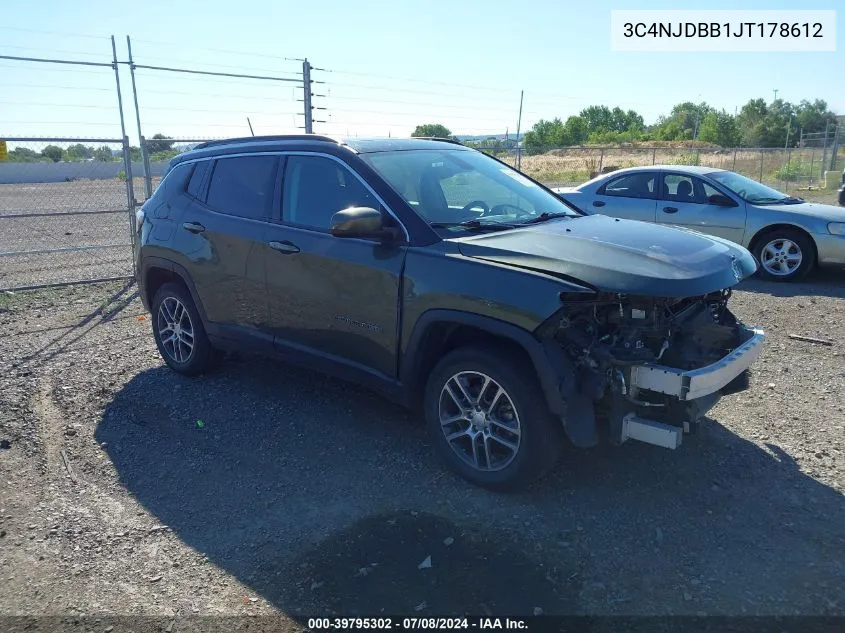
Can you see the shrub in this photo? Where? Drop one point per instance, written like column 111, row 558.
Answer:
column 121, row 175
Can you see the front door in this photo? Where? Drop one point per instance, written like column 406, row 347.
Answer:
column 684, row 202
column 337, row 298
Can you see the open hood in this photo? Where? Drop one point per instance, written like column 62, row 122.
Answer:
column 615, row 255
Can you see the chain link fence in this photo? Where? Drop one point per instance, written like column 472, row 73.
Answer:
column 64, row 212
column 790, row 170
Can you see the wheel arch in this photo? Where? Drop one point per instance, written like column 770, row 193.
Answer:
column 781, row 226
column 437, row 332
column 156, row 271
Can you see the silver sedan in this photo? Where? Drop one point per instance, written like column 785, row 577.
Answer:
column 787, row 235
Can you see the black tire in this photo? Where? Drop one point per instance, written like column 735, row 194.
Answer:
column 799, row 240
column 202, row 355
column 540, row 434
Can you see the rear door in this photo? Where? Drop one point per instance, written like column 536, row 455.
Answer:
column 329, row 297
column 684, row 202
column 224, row 235
column 632, row 195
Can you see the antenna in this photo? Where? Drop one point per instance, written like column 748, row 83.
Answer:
column 250, row 126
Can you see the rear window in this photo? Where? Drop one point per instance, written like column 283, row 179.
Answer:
column 194, row 188
column 243, row 186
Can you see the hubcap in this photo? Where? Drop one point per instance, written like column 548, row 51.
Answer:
column 479, row 421
column 781, row 257
column 175, row 330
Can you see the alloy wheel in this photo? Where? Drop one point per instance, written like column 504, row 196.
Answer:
column 176, row 330
column 781, row 257
column 479, row 421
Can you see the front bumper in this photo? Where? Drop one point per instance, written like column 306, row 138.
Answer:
column 831, row 248
column 696, row 383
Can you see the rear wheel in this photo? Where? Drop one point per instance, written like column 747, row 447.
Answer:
column 179, row 332
column 488, row 419
column 784, row 255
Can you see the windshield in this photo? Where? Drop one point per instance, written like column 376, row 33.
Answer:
column 747, row 189
column 465, row 189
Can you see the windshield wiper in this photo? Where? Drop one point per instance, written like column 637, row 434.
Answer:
column 473, row 224
column 545, row 217
column 792, row 199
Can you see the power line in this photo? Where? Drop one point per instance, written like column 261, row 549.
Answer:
column 412, row 114
column 418, row 103
column 57, row 50
column 215, row 50
column 54, row 86
column 57, row 105
column 63, row 33
column 409, row 80
column 215, row 65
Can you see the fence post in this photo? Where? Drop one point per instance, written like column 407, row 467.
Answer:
column 601, row 159
column 788, row 167
column 761, row 166
column 653, row 155
column 145, row 160
column 733, row 168
column 810, row 173
column 306, row 96
column 130, row 195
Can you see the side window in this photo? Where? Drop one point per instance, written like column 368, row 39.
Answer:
column 194, row 188
column 243, row 186
column 636, row 185
column 681, row 188
column 315, row 188
column 709, row 191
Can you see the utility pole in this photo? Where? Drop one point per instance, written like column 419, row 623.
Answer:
column 776, row 94
column 788, row 127
column 306, row 96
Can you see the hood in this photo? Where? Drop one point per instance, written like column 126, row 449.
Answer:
column 826, row 212
column 615, row 255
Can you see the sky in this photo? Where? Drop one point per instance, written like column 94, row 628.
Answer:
column 386, row 66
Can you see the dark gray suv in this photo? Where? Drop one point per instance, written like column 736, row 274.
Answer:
column 450, row 282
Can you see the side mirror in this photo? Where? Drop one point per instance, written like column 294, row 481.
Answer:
column 358, row 222
column 720, row 200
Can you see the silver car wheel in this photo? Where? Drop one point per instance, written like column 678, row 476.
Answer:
column 479, row 421
column 175, row 330
column 781, row 257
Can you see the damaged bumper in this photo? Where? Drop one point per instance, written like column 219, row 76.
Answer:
column 697, row 383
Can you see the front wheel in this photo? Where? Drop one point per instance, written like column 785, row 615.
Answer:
column 488, row 419
column 785, row 255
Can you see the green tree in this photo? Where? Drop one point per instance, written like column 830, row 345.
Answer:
column 575, row 131
column 79, row 152
column 24, row 155
column 814, row 116
column 544, row 135
column 159, row 143
column 750, row 121
column 134, row 154
column 103, row 154
column 719, row 128
column 432, row 129
column 53, row 152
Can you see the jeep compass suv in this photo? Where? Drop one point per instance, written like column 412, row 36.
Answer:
column 450, row 282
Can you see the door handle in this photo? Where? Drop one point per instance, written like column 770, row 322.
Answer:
column 670, row 209
column 598, row 203
column 193, row 227
column 286, row 248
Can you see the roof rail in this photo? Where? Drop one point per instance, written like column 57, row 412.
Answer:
column 272, row 137
column 442, row 139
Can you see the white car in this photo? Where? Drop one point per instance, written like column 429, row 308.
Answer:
column 787, row 235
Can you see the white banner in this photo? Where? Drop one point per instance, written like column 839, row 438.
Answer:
column 719, row 31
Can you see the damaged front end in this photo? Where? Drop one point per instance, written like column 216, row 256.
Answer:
column 652, row 367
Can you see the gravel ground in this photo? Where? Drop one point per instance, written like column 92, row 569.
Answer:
column 263, row 489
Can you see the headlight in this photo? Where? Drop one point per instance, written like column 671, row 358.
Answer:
column 837, row 228
column 140, row 216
